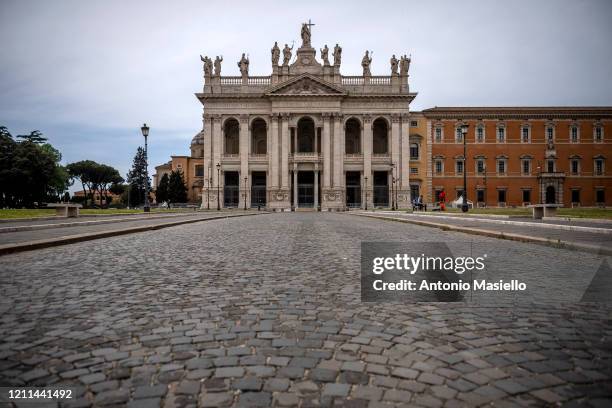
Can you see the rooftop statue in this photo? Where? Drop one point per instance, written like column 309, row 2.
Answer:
column 218, row 62
column 404, row 65
column 337, row 55
column 394, row 62
column 275, row 54
column 365, row 63
column 287, row 55
column 243, row 64
column 306, row 34
column 208, row 65
column 324, row 56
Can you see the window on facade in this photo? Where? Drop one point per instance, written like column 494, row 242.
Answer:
column 525, row 134
column 526, row 196
column 550, row 166
column 501, row 166
column 480, row 196
column 575, row 166
column 459, row 137
column 480, row 134
column 549, row 134
column 438, row 135
column 501, row 135
column 414, row 170
column 380, row 140
column 480, row 166
column 598, row 134
column 576, row 196
column 459, row 166
column 501, row 196
column 414, row 151
column 231, row 132
column 600, row 196
column 526, row 166
column 439, row 167
column 599, row 167
column 199, row 170
column 414, row 123
column 415, row 191
column 574, row 134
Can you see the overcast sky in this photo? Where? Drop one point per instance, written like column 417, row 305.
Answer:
column 88, row 73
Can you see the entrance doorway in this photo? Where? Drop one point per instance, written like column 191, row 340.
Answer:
column 381, row 189
column 258, row 189
column 305, row 189
column 551, row 196
column 353, row 189
column 231, row 187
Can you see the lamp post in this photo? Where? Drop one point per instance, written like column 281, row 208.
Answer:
column 484, row 168
column 145, row 132
column 366, row 192
column 464, row 206
column 393, row 203
column 218, row 186
column 245, row 192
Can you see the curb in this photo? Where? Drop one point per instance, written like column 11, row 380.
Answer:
column 71, row 239
column 501, row 235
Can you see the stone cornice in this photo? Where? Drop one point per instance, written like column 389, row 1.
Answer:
column 527, row 112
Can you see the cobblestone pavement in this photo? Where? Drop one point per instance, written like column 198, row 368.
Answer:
column 263, row 311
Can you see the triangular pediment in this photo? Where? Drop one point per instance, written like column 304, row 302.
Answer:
column 304, row 85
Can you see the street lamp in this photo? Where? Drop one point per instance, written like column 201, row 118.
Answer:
column 393, row 203
column 366, row 192
column 484, row 169
column 145, row 132
column 245, row 192
column 218, row 191
column 208, row 183
column 464, row 206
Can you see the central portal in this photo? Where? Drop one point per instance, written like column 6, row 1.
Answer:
column 306, row 189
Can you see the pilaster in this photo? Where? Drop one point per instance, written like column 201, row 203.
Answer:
column 403, row 195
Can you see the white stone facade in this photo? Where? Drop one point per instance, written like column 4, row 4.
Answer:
column 281, row 141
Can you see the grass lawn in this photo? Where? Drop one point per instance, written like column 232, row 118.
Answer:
column 562, row 212
column 33, row 213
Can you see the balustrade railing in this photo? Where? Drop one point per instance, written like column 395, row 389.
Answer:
column 380, row 80
column 259, row 80
column 352, row 80
column 231, row 80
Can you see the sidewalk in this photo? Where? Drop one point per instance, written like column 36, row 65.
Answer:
column 51, row 233
column 586, row 236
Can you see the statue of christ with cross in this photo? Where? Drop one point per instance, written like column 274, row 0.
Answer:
column 306, row 33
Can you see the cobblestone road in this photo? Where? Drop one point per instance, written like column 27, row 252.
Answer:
column 262, row 311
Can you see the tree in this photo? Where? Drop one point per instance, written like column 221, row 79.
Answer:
column 35, row 136
column 84, row 171
column 137, row 178
column 96, row 177
column 177, row 191
column 161, row 194
column 103, row 177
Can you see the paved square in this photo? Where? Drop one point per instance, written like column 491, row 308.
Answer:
column 265, row 310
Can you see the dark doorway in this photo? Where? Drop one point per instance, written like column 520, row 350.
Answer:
column 306, row 135
column 551, row 196
column 231, row 187
column 353, row 189
column 381, row 189
column 306, row 189
column 258, row 189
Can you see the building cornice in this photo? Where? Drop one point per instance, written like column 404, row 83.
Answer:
column 527, row 112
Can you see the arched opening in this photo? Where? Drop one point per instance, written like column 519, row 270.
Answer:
column 352, row 136
column 259, row 138
column 551, row 196
column 231, row 132
column 380, row 142
column 306, row 135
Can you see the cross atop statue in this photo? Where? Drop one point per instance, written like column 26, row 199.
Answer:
column 306, row 33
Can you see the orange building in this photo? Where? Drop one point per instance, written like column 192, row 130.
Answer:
column 521, row 155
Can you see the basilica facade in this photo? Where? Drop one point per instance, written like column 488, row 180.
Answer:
column 305, row 136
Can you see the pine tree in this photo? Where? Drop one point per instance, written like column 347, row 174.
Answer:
column 137, row 178
column 161, row 194
column 177, row 192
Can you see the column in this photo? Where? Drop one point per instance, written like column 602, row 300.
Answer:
column 244, row 151
column 273, row 158
column 295, row 188
column 285, row 146
column 326, row 150
column 217, row 143
column 395, row 139
column 404, row 173
column 367, row 156
column 338, row 151
column 316, row 189
column 208, row 165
